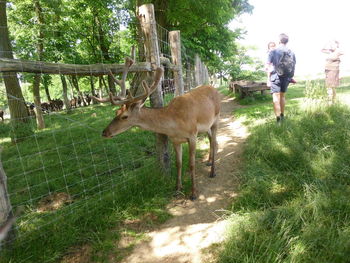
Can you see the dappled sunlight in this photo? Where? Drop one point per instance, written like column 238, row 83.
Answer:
column 277, row 188
column 198, row 224
column 181, row 240
column 211, row 199
column 5, row 140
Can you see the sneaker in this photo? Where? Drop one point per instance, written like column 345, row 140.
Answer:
column 282, row 117
column 278, row 119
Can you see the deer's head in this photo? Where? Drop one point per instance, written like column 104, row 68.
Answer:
column 127, row 115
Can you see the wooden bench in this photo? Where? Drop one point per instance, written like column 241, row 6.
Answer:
column 245, row 89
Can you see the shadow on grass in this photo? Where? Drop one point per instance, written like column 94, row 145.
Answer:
column 106, row 181
column 293, row 203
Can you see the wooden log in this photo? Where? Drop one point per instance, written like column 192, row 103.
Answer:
column 197, row 70
column 16, row 65
column 175, row 45
column 149, row 29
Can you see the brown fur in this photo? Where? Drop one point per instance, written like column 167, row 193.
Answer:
column 187, row 115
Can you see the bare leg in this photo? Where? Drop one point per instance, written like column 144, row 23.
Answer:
column 334, row 95
column 276, row 97
column 192, row 149
column 282, row 101
column 331, row 94
column 178, row 151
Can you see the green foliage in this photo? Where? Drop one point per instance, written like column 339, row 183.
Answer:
column 293, row 199
column 203, row 25
column 21, row 130
column 316, row 90
column 87, row 31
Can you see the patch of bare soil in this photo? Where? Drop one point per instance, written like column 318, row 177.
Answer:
column 198, row 225
column 53, row 202
column 78, row 255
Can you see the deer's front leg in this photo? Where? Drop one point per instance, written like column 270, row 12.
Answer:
column 178, row 151
column 192, row 150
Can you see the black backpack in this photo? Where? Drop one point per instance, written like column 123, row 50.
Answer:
column 286, row 65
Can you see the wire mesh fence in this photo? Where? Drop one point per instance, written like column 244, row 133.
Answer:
column 65, row 173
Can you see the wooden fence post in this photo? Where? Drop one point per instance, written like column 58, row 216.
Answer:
column 205, row 74
column 188, row 76
column 5, row 205
column 175, row 47
column 149, row 30
column 197, row 71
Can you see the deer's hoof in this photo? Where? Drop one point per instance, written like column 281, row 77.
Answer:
column 212, row 175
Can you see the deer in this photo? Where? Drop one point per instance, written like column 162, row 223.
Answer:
column 181, row 120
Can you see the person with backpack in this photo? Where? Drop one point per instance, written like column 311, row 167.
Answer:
column 269, row 67
column 283, row 61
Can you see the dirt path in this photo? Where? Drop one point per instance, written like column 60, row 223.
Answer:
column 197, row 225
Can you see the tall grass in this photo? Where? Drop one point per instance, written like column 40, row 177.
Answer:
column 107, row 181
column 293, row 203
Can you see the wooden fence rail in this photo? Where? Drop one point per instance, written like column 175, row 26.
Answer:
column 15, row 65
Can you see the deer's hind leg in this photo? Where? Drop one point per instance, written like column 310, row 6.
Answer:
column 213, row 147
column 192, row 164
column 210, row 159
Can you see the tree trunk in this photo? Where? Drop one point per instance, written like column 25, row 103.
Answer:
column 92, row 86
column 47, row 92
column 65, row 93
column 104, row 84
column 75, row 83
column 17, row 106
column 36, row 96
column 37, row 77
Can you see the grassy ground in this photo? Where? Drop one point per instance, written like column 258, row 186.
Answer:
column 293, row 203
column 78, row 189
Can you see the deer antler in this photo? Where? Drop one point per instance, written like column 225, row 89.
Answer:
column 128, row 63
column 115, row 100
column 108, row 99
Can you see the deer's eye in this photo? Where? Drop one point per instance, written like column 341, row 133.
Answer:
column 124, row 117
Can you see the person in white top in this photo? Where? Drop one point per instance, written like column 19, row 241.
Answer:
column 332, row 68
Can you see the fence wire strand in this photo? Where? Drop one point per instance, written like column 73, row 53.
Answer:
column 69, row 158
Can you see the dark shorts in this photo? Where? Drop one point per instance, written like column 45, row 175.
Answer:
column 278, row 84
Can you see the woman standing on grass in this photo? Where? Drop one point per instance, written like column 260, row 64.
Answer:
column 332, row 69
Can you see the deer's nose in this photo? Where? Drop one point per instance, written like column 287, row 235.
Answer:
column 105, row 133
